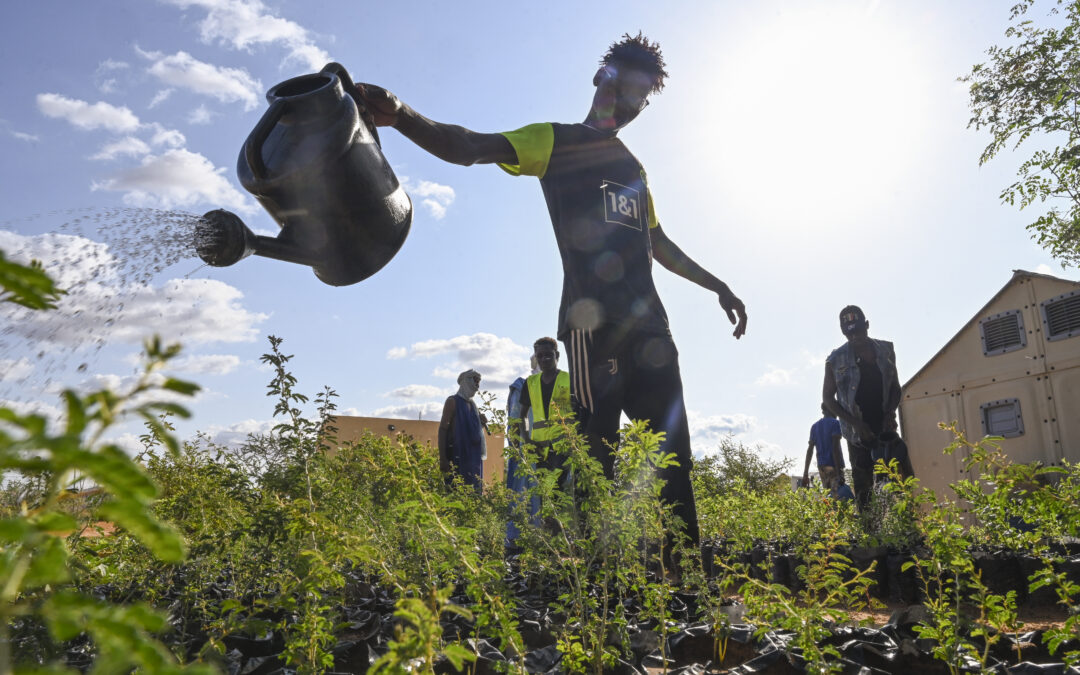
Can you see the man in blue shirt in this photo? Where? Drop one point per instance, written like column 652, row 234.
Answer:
column 825, row 436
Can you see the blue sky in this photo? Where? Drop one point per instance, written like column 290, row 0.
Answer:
column 811, row 154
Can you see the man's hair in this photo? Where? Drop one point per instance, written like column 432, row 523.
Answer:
column 853, row 308
column 638, row 53
column 546, row 341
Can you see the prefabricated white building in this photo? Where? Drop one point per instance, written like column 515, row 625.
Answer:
column 1013, row 370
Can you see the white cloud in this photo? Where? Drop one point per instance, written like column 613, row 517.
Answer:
column 209, row 364
column 200, row 115
column 431, row 411
column 235, row 435
column 500, row 361
column 417, row 391
column 397, row 353
column 128, row 146
column 225, row 84
column 775, row 377
column 160, row 97
column 709, row 430
column 85, row 115
column 110, row 300
column 128, row 442
column 247, row 23
column 767, row 450
column 435, row 197
column 1043, row 268
column 29, row 138
column 13, row 371
column 437, row 210
column 176, row 178
column 442, row 193
column 814, row 362
column 103, row 76
column 50, row 412
column 112, row 64
column 170, row 138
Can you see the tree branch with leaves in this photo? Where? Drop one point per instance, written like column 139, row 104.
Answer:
column 1027, row 92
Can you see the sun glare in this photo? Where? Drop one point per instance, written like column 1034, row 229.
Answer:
column 822, row 111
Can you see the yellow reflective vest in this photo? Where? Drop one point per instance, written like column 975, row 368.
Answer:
column 542, row 430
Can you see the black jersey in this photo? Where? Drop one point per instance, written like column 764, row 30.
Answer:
column 601, row 211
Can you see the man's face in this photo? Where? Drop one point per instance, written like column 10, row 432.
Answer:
column 853, row 325
column 470, row 384
column 547, row 357
column 621, row 95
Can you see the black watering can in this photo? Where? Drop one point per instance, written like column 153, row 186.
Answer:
column 319, row 171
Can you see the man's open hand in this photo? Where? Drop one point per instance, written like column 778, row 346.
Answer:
column 736, row 311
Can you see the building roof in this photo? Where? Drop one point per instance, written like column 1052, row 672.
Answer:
column 1017, row 274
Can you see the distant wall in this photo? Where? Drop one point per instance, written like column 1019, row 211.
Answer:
column 424, row 431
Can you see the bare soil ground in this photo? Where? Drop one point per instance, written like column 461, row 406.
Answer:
column 1032, row 618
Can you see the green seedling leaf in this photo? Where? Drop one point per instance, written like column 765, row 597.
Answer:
column 114, row 470
column 181, row 387
column 28, row 465
column 458, row 656
column 163, row 541
column 15, row 530
column 48, row 564
column 76, row 413
column 27, row 285
column 161, row 433
column 55, row 521
column 34, row 425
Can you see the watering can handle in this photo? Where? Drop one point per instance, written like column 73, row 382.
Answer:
column 253, row 147
column 347, row 83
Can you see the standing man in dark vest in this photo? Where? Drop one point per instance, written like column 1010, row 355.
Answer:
column 462, row 446
column 622, row 357
column 862, row 389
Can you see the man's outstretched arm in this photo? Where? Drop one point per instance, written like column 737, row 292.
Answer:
column 448, row 142
column 672, row 257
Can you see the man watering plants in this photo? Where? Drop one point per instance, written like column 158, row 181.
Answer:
column 611, row 321
column 462, row 446
column 862, row 389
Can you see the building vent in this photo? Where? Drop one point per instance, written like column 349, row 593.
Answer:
column 1061, row 316
column 1002, row 333
column 1002, row 418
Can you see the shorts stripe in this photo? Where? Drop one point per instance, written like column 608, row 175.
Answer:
column 579, row 362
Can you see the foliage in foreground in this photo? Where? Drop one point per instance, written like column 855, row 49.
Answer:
column 282, row 535
column 40, row 578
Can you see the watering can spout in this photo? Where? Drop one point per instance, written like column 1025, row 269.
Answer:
column 222, row 239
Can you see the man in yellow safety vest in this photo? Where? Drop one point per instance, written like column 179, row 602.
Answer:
column 547, row 394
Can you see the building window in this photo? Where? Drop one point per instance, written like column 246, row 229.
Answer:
column 1061, row 316
column 1002, row 333
column 1002, row 418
